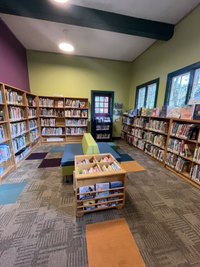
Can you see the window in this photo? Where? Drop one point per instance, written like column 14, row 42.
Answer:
column 183, row 86
column 101, row 104
column 146, row 94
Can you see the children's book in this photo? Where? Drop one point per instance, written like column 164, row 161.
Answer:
column 101, row 187
column 196, row 113
column 86, row 192
column 186, row 112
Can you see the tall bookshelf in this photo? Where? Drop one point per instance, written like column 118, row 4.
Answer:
column 33, row 119
column 6, row 154
column 76, row 118
column 52, row 119
column 175, row 143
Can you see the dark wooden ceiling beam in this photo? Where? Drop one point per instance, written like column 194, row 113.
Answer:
column 87, row 17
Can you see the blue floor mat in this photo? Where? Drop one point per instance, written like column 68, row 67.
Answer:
column 9, row 193
column 57, row 149
column 125, row 157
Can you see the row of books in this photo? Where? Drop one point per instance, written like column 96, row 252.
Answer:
column 1, row 114
column 92, row 204
column 158, row 125
column 2, row 134
column 188, row 112
column 185, row 131
column 76, row 113
column 181, row 147
column 76, row 122
column 140, row 122
column 19, row 143
column 18, row 128
column 16, row 113
column 52, row 131
column 1, row 98
column 31, row 101
column 156, row 139
column 75, row 131
column 59, row 104
column 103, row 190
column 33, row 135
column 137, row 132
column 127, row 120
column 5, row 153
column 32, row 112
column 176, row 162
column 32, row 124
column 46, row 102
column 154, row 151
column 102, row 127
column 102, row 136
column 75, row 103
column 195, row 173
column 14, row 97
column 48, row 122
column 196, row 156
column 22, row 154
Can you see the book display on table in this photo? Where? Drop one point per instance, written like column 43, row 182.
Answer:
column 6, row 156
column 99, row 183
column 52, row 121
column 174, row 142
column 76, row 118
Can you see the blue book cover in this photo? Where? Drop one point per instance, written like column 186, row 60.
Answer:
column 101, row 187
column 87, row 192
column 116, row 184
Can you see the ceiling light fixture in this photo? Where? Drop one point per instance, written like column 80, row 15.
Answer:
column 61, row 1
column 66, row 47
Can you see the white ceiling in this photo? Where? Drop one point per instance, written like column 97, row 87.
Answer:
column 44, row 35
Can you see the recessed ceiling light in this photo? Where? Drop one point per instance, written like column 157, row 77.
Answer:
column 66, row 47
column 61, row 1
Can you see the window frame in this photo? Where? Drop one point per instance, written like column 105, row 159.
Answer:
column 157, row 82
column 191, row 69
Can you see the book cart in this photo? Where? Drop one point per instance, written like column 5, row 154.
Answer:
column 175, row 143
column 99, row 183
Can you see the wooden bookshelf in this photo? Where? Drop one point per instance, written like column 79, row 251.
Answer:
column 165, row 139
column 76, row 119
column 102, row 195
column 33, row 119
column 52, row 119
column 7, row 162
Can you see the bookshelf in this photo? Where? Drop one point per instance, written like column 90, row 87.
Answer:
column 99, row 183
column 76, row 118
column 175, row 143
column 6, row 154
column 33, row 119
column 52, row 120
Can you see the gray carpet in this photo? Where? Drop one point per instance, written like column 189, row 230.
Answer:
column 41, row 229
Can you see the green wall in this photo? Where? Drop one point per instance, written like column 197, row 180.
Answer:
column 164, row 57
column 61, row 75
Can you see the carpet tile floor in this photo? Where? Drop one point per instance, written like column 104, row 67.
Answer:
column 41, row 229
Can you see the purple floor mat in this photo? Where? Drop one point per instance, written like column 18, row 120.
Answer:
column 36, row 156
column 47, row 163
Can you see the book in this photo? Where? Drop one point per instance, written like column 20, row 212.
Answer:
column 89, row 205
column 186, row 112
column 87, row 192
column 196, row 113
column 101, row 187
column 173, row 112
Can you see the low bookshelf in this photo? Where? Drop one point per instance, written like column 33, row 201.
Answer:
column 99, row 183
column 175, row 143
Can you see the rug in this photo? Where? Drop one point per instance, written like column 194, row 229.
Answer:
column 34, row 156
column 9, row 193
column 125, row 157
column 132, row 166
column 57, row 149
column 111, row 244
column 47, row 163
